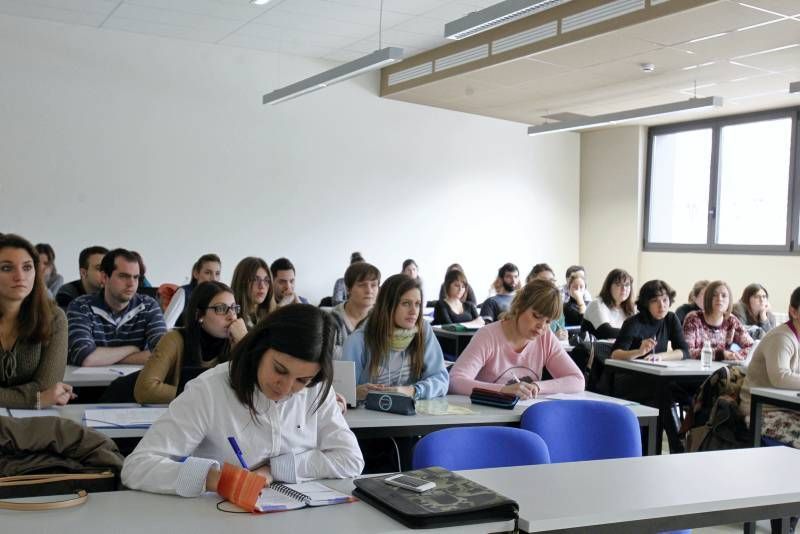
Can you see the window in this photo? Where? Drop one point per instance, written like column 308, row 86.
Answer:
column 723, row 185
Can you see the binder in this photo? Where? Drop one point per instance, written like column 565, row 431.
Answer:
column 455, row 500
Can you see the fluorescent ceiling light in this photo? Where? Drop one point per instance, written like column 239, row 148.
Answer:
column 694, row 104
column 496, row 15
column 375, row 60
column 707, row 37
column 259, row 2
column 794, row 87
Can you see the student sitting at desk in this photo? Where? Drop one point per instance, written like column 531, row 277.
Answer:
column 452, row 308
column 574, row 305
column 612, row 306
column 715, row 323
column 650, row 332
column 506, row 285
column 469, row 294
column 33, row 332
column 695, row 302
column 362, row 281
column 212, row 327
column 776, row 364
column 396, row 350
column 208, row 267
column 753, row 311
column 543, row 271
column 274, row 397
column 252, row 290
column 511, row 354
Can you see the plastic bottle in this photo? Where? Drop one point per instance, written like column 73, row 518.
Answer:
column 706, row 355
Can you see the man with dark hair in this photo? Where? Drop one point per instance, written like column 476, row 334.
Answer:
column 116, row 325
column 90, row 281
column 508, row 275
column 587, row 297
column 283, row 281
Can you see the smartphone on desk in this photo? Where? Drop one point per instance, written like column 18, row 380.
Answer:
column 410, row 483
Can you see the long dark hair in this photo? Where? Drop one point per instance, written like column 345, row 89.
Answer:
column 242, row 274
column 617, row 276
column 302, row 331
column 34, row 322
column 192, row 330
column 380, row 326
column 205, row 258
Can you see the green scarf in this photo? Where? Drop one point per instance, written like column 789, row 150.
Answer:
column 401, row 338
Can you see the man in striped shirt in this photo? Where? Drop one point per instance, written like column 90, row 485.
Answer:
column 116, row 325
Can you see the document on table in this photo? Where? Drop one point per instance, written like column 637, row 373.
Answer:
column 122, row 417
column 582, row 395
column 121, row 370
column 440, row 407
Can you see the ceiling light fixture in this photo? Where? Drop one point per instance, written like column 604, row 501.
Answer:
column 693, row 104
column 259, row 2
column 495, row 15
column 376, row 60
column 794, row 87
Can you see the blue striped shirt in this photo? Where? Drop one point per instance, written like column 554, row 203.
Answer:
column 92, row 324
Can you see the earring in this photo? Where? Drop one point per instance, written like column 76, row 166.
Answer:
column 200, row 320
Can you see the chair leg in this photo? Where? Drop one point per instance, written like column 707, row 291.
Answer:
column 750, row 527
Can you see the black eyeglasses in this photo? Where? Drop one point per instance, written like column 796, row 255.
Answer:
column 223, row 309
column 257, row 280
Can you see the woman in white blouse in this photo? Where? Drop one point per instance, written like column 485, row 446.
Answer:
column 274, row 398
column 606, row 313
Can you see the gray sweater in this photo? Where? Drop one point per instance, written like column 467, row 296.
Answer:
column 30, row 367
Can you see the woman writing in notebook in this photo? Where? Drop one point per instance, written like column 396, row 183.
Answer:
column 212, row 328
column 33, row 332
column 396, row 350
column 509, row 355
column 274, row 397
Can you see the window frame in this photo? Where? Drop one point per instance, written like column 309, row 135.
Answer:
column 790, row 245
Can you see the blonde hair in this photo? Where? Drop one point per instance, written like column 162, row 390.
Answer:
column 542, row 296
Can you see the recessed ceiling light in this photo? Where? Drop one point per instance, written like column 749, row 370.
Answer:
column 259, row 2
column 707, row 37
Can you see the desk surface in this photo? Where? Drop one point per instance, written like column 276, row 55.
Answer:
column 96, row 376
column 361, row 418
column 650, row 493
column 438, row 330
column 786, row 395
column 606, row 496
column 671, row 368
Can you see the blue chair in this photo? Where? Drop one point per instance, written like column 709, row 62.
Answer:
column 479, row 447
column 578, row 430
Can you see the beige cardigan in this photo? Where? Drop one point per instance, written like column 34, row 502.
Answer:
column 775, row 364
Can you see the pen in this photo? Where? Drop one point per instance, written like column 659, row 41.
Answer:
column 237, row 451
column 514, row 376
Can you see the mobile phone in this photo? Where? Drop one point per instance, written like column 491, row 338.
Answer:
column 410, row 483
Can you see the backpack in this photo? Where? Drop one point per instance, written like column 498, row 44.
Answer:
column 715, row 422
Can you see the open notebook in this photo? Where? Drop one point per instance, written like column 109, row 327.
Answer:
column 279, row 497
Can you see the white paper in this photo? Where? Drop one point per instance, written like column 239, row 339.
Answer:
column 122, row 417
column 119, row 370
column 33, row 413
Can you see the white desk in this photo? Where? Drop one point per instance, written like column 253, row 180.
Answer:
column 96, row 376
column 783, row 398
column 371, row 424
column 686, row 372
column 631, row 495
column 654, row 493
column 133, row 512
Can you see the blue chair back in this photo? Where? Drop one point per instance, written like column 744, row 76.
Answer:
column 577, row 430
column 479, row 447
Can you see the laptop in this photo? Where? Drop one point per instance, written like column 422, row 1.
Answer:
column 344, row 381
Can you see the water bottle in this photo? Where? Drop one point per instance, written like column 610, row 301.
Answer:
column 706, row 355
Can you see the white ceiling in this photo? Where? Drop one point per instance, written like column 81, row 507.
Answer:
column 337, row 30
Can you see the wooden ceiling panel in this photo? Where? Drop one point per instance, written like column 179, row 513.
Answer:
column 517, row 72
column 596, row 50
column 697, row 23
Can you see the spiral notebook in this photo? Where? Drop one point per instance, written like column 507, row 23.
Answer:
column 282, row 497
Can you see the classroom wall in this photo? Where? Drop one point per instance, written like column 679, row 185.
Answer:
column 163, row 146
column 612, row 205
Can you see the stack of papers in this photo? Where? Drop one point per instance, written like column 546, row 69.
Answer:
column 122, row 417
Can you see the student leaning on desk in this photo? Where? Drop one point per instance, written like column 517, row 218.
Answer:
column 509, row 355
column 274, row 398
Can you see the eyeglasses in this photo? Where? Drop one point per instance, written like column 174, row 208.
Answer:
column 223, row 309
column 257, row 280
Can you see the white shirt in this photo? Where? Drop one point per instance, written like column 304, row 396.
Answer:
column 175, row 308
column 300, row 443
column 599, row 314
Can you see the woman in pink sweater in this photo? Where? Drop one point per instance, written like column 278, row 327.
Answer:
column 510, row 355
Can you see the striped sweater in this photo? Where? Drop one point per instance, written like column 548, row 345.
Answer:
column 92, row 324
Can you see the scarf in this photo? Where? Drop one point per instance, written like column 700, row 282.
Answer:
column 401, row 338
